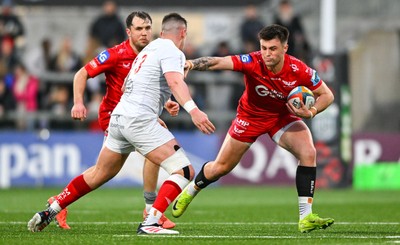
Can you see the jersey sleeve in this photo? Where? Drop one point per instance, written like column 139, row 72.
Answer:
column 243, row 62
column 172, row 60
column 101, row 63
column 311, row 78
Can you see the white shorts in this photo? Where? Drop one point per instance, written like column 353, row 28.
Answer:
column 127, row 134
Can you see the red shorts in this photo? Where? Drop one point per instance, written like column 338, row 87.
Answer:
column 104, row 119
column 248, row 129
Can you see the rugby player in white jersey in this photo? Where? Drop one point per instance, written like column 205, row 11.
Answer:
column 157, row 72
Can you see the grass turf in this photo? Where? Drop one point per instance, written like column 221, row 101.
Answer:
column 218, row 215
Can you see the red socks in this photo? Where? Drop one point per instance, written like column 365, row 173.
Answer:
column 167, row 194
column 73, row 191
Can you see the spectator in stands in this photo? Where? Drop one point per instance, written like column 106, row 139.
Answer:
column 8, row 58
column 249, row 29
column 66, row 59
column 95, row 85
column 25, row 89
column 197, row 90
column 7, row 101
column 223, row 49
column 224, row 90
column 58, row 100
column 38, row 59
column 191, row 51
column 11, row 27
column 298, row 44
column 108, row 29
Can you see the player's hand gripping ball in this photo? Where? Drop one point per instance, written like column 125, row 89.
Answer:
column 301, row 93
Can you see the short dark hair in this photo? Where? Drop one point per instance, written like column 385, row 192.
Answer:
column 284, row 2
column 140, row 14
column 174, row 17
column 274, row 31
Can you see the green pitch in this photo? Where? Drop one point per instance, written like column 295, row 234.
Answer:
column 234, row 215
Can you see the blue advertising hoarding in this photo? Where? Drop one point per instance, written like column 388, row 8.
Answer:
column 29, row 159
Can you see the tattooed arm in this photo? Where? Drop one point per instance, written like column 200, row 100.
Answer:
column 210, row 63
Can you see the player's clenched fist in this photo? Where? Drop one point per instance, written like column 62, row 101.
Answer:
column 78, row 111
column 172, row 107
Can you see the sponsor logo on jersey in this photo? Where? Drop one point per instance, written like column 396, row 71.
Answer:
column 242, row 122
column 309, row 71
column 93, row 64
column 126, row 65
column 278, row 79
column 245, row 58
column 103, row 56
column 116, row 125
column 315, row 78
column 236, row 130
column 294, row 67
column 240, row 126
column 289, row 83
column 264, row 91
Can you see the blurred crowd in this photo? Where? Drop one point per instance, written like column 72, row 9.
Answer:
column 34, row 95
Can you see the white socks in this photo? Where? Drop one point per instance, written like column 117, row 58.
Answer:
column 305, row 206
column 148, row 207
column 153, row 216
column 191, row 190
column 55, row 206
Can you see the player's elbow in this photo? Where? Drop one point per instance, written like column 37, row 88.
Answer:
column 173, row 84
column 331, row 98
column 174, row 79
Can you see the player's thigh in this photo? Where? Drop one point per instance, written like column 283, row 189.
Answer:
column 297, row 139
column 230, row 153
column 150, row 139
column 108, row 164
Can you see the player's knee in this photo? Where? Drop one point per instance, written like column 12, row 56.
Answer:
column 188, row 172
column 307, row 156
column 310, row 153
column 178, row 163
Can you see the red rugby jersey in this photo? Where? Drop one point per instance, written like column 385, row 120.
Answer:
column 115, row 63
column 265, row 92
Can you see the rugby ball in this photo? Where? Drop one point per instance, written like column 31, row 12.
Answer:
column 301, row 93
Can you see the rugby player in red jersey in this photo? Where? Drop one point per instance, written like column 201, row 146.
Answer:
column 269, row 75
column 116, row 63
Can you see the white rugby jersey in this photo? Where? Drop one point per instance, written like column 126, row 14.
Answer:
column 146, row 89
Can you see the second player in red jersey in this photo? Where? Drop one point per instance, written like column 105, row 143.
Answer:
column 115, row 63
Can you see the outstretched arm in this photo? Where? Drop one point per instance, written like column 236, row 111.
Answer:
column 211, row 63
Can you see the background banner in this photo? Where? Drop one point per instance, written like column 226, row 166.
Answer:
column 29, row 159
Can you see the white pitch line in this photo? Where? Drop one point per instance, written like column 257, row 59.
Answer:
column 260, row 237
column 208, row 223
